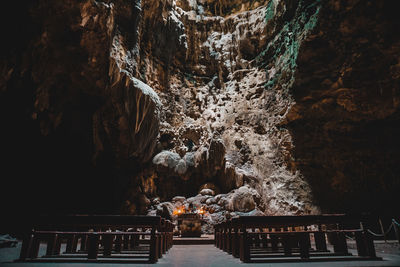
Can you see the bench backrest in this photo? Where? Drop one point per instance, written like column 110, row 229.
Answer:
column 73, row 222
column 342, row 220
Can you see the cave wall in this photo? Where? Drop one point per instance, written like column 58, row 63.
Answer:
column 288, row 107
column 345, row 121
column 71, row 116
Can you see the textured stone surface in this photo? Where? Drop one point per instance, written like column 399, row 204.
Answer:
column 279, row 107
column 347, row 107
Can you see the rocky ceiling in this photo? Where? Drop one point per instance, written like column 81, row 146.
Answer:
column 264, row 107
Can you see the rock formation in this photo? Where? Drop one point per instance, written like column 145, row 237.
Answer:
column 260, row 107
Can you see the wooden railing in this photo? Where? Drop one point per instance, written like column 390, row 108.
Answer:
column 263, row 238
column 98, row 238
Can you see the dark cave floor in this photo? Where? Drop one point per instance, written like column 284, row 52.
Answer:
column 203, row 255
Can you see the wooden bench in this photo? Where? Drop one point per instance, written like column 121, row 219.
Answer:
column 101, row 238
column 293, row 238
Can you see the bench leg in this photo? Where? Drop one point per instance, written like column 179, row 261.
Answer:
column 153, row 257
column 70, row 244
column 133, row 242
column 274, row 242
column 83, row 246
column 235, row 245
column 286, row 242
column 165, row 243
column 320, row 241
column 369, row 245
column 335, row 242
column 126, row 242
column 57, row 249
column 304, row 245
column 26, row 246
column 160, row 245
column 339, row 243
column 93, row 246
column 51, row 244
column 34, row 249
column 361, row 246
column 118, row 243
column 343, row 243
column 107, row 242
column 257, row 241
column 244, row 247
column 223, row 241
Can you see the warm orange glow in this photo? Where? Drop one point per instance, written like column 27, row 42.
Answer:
column 201, row 211
column 178, row 211
column 181, row 210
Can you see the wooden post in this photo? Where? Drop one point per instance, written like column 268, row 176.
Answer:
column 396, row 230
column 70, row 244
column 244, row 246
column 257, row 240
column 251, row 238
column 229, row 240
column 334, row 241
column 153, row 246
column 107, row 243
column 274, row 242
column 286, row 245
column 369, row 244
column 368, row 239
column 133, row 241
column 341, row 243
column 264, row 239
column 304, row 245
column 220, row 233
column 118, row 243
column 75, row 244
column 360, row 242
column 165, row 245
column 83, row 243
column 382, row 229
column 216, row 235
column 26, row 246
column 320, row 240
column 235, row 243
column 57, row 249
column 224, row 237
column 160, row 245
column 51, row 244
column 34, row 249
column 308, row 238
column 126, row 242
column 93, row 246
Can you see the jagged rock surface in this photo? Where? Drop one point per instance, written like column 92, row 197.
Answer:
column 278, row 107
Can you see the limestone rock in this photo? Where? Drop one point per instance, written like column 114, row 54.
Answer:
column 284, row 106
column 243, row 199
column 206, row 192
column 178, row 199
column 211, row 186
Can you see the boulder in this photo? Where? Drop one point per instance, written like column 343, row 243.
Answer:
column 166, row 159
column 242, row 199
column 210, row 201
column 210, row 186
column 207, row 192
column 178, row 199
column 173, row 161
column 165, row 210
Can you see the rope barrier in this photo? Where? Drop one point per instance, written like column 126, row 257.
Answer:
column 380, row 235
